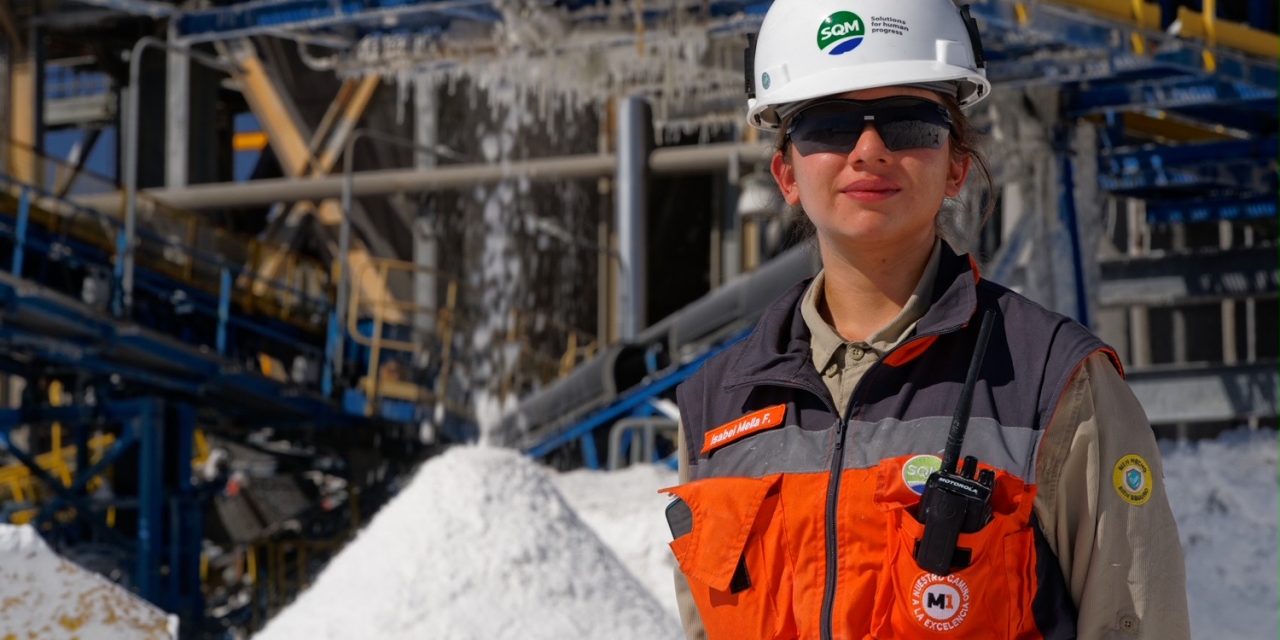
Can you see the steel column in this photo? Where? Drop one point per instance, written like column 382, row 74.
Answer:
column 631, row 183
column 1067, row 216
column 224, row 310
column 20, row 231
column 177, row 112
column 187, row 518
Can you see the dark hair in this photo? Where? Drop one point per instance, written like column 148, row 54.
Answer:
column 964, row 142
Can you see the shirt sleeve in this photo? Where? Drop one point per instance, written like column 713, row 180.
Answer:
column 1104, row 512
column 689, row 618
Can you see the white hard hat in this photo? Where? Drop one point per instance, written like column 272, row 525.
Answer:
column 812, row 48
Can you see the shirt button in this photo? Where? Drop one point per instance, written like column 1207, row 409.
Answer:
column 856, row 353
column 1129, row 623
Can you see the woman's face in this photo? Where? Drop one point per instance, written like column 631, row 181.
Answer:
column 872, row 196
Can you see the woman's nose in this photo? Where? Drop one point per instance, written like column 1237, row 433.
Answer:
column 869, row 148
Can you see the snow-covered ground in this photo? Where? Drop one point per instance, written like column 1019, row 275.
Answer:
column 1223, row 494
column 485, row 544
column 44, row 596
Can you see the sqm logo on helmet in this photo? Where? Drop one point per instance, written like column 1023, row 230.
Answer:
column 841, row 32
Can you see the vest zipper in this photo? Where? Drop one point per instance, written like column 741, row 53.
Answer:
column 833, row 491
column 837, row 466
column 833, row 494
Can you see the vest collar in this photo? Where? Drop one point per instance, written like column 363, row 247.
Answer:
column 778, row 348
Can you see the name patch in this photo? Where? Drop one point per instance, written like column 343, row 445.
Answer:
column 761, row 420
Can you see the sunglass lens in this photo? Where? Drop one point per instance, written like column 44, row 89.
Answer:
column 826, row 129
column 910, row 134
column 834, row 127
column 917, row 124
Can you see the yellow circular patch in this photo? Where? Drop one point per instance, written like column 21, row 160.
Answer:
column 1132, row 479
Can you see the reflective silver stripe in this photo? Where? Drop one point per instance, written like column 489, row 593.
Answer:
column 790, row 449
column 1003, row 447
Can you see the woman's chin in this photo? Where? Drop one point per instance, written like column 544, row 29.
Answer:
column 867, row 234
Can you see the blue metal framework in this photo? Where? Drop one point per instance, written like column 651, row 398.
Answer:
column 635, row 402
column 188, row 347
column 165, row 505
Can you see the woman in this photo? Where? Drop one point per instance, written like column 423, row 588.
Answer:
column 806, row 447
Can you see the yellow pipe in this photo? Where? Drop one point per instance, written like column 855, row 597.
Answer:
column 1210, row 17
column 267, row 104
column 251, row 560
column 1227, row 34
column 1146, row 15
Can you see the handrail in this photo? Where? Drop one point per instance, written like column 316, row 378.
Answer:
column 212, row 249
column 449, row 320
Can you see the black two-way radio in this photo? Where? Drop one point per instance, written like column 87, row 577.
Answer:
column 955, row 503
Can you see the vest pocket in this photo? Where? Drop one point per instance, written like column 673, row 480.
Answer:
column 733, row 554
column 989, row 598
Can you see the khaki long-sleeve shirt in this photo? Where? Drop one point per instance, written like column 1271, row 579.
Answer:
column 1117, row 546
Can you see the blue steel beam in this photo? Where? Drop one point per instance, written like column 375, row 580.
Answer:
column 1168, row 94
column 1247, row 165
column 1204, row 211
column 265, row 17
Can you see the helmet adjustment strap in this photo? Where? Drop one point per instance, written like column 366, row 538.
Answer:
column 979, row 58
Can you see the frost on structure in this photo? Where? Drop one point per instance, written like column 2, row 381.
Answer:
column 547, row 59
column 523, row 290
column 45, row 596
column 539, row 83
column 479, row 545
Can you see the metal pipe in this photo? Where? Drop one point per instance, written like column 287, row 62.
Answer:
column 631, row 204
column 132, row 102
column 668, row 161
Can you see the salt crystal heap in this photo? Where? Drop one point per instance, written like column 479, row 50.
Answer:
column 44, row 596
column 479, row 545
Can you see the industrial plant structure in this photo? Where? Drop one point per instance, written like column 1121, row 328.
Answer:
column 259, row 259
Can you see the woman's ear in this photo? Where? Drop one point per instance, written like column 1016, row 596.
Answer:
column 957, row 173
column 784, row 173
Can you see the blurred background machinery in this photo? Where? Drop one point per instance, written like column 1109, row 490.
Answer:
column 259, row 259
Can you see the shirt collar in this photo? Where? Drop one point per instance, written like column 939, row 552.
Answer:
column 826, row 342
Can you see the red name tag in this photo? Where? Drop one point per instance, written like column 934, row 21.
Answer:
column 742, row 427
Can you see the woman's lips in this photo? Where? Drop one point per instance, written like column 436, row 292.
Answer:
column 871, row 190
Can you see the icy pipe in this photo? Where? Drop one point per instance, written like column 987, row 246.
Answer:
column 671, row 160
column 634, row 137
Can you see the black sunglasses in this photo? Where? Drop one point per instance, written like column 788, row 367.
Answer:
column 903, row 122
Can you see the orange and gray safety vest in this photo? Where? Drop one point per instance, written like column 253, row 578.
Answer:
column 798, row 523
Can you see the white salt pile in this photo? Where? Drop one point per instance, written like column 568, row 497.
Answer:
column 479, row 545
column 1223, row 495
column 627, row 512
column 45, row 596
